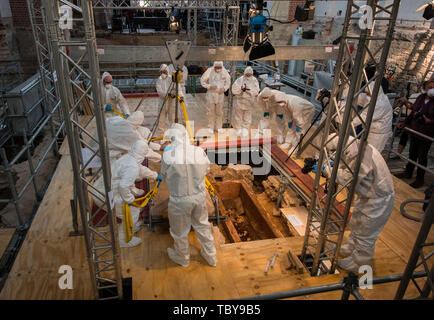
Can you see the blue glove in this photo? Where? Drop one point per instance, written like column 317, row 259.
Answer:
column 167, row 148
column 127, row 115
column 280, row 116
column 108, row 108
column 297, row 129
column 290, row 125
column 315, row 167
column 130, row 204
column 331, row 164
column 160, row 177
column 266, row 114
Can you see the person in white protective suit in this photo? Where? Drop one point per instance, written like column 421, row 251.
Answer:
column 298, row 116
column 123, row 133
column 267, row 102
column 374, row 204
column 112, row 98
column 216, row 80
column 167, row 116
column 181, row 91
column 381, row 125
column 246, row 89
column 125, row 172
column 184, row 168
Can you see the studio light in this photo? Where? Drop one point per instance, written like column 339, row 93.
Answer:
column 257, row 40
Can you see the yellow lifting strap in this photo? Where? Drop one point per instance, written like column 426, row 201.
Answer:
column 145, row 199
column 157, row 139
column 177, row 78
column 119, row 113
column 128, row 222
column 208, row 184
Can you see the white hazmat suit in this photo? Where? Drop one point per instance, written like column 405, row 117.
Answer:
column 113, row 98
column 246, row 89
column 374, row 204
column 298, row 116
column 167, row 116
column 123, row 133
column 216, row 82
column 184, row 169
column 267, row 102
column 125, row 172
column 381, row 125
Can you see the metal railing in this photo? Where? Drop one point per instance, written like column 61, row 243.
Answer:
column 349, row 285
column 7, row 165
column 412, row 132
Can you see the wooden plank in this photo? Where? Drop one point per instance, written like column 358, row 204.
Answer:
column 290, row 165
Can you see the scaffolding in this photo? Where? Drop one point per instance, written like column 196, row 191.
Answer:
column 324, row 233
column 102, row 243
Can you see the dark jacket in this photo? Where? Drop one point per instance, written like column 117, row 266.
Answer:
column 419, row 109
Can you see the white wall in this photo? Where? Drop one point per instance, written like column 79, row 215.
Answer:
column 406, row 11
column 5, row 9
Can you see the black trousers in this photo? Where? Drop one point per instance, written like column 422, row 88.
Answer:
column 419, row 149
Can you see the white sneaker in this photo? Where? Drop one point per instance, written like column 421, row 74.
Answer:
column 212, row 261
column 135, row 241
column 176, row 258
column 245, row 132
column 348, row 264
column 346, row 250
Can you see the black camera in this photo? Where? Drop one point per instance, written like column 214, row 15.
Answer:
column 308, row 165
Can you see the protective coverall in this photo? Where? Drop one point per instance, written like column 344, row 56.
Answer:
column 381, row 125
column 298, row 117
column 112, row 98
column 216, row 81
column 123, row 133
column 184, row 169
column 125, row 172
column 167, row 116
column 374, row 204
column 246, row 89
column 271, row 119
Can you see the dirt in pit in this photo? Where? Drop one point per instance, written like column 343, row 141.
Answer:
column 237, row 215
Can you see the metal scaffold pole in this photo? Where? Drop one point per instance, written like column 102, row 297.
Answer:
column 420, row 256
column 102, row 243
column 329, row 211
column 230, row 38
column 46, row 68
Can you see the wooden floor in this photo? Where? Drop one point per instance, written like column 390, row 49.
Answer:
column 239, row 272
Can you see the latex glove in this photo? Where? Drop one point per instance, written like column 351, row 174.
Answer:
column 159, row 177
column 108, row 108
column 127, row 115
column 315, row 168
column 167, row 148
column 289, row 124
column 280, row 116
column 297, row 129
column 266, row 114
column 130, row 204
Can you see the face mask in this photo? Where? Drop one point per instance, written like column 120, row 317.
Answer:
column 163, row 76
column 218, row 70
column 108, row 86
column 265, row 99
column 281, row 104
column 430, row 93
